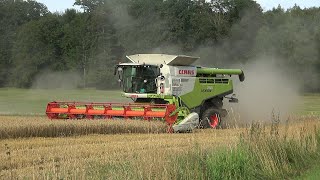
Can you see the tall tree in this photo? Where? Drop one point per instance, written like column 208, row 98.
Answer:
column 89, row 5
column 37, row 48
column 14, row 14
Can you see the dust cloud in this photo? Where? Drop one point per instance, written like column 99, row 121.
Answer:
column 167, row 49
column 57, row 80
column 267, row 91
column 119, row 14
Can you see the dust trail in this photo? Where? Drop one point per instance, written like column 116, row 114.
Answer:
column 267, row 90
column 57, row 80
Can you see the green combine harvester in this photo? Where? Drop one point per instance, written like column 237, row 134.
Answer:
column 162, row 86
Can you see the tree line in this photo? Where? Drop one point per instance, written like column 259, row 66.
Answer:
column 88, row 43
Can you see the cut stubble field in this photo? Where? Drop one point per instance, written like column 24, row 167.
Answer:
column 125, row 155
column 74, row 156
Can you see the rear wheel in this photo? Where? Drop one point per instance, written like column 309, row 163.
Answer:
column 210, row 118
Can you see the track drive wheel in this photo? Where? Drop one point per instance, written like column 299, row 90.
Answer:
column 210, row 118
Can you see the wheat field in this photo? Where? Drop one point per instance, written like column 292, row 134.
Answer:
column 149, row 152
column 24, row 127
column 38, row 157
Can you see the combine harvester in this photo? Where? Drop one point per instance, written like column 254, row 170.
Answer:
column 165, row 87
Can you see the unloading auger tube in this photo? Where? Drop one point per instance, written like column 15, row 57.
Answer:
column 165, row 87
column 215, row 71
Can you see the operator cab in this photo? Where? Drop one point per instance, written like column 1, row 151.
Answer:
column 138, row 78
column 142, row 75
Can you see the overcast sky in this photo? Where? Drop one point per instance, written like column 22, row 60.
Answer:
column 61, row 5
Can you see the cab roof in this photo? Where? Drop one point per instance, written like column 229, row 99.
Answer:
column 157, row 59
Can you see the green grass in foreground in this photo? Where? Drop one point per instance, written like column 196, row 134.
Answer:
column 34, row 101
column 261, row 154
column 312, row 174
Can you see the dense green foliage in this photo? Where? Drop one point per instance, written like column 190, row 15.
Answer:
column 36, row 44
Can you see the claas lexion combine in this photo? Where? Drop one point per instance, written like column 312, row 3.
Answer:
column 162, row 87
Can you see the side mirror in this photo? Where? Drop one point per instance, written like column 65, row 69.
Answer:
column 241, row 76
column 120, row 72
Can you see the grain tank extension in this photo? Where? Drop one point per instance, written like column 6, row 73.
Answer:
column 165, row 87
